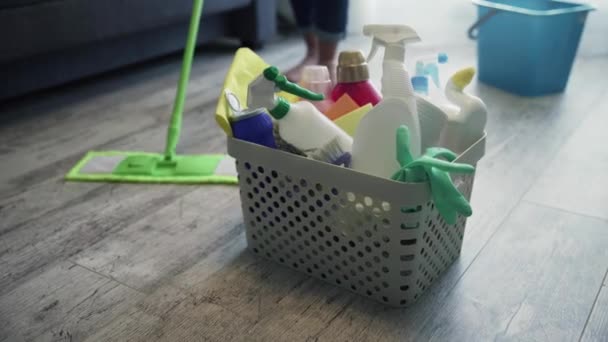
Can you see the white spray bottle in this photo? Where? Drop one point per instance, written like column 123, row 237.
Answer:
column 374, row 147
column 300, row 124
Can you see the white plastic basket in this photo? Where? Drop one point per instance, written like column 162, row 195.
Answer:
column 376, row 237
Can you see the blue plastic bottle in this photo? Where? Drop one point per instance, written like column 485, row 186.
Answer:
column 254, row 126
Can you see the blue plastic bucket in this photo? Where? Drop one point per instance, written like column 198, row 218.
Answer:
column 527, row 46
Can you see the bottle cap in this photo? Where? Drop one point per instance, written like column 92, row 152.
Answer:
column 316, row 78
column 281, row 108
column 352, row 67
column 315, row 74
column 246, row 114
column 420, row 84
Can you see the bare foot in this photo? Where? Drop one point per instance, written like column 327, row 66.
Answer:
column 327, row 57
column 312, row 58
column 295, row 73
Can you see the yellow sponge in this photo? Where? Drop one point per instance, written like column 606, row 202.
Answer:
column 349, row 122
column 344, row 105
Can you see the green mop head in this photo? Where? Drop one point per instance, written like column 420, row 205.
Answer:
column 140, row 167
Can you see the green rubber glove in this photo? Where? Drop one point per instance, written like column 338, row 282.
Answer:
column 448, row 200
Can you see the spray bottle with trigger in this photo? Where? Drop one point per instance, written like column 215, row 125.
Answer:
column 373, row 146
column 300, row 124
column 426, row 68
column 430, row 101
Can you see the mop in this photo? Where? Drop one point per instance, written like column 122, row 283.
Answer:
column 139, row 167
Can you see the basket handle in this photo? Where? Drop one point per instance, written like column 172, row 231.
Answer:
column 474, row 29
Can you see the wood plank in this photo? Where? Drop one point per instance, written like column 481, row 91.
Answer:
column 209, row 288
column 40, row 198
column 75, row 137
column 176, row 237
column 33, row 199
column 576, row 178
column 597, row 325
column 274, row 302
column 362, row 319
column 536, row 280
column 213, row 262
column 303, row 313
column 247, row 285
column 145, row 321
column 172, row 313
column 539, row 275
column 516, row 150
column 139, row 325
column 100, row 95
column 35, row 147
column 17, row 252
column 29, row 248
column 243, row 292
column 502, row 178
column 36, row 201
column 246, row 288
column 67, row 302
column 201, row 321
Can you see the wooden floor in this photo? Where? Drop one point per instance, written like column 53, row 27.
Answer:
column 109, row 262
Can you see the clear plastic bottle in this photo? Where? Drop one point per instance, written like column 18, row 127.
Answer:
column 316, row 79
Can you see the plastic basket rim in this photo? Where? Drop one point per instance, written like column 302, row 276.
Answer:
column 343, row 177
column 464, row 157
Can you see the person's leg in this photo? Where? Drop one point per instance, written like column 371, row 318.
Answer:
column 303, row 12
column 329, row 21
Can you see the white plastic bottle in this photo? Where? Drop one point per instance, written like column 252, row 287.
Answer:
column 374, row 148
column 465, row 125
column 300, row 124
column 432, row 122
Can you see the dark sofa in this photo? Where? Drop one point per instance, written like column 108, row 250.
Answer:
column 44, row 43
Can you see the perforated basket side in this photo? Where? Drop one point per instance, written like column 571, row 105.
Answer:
column 386, row 244
column 440, row 243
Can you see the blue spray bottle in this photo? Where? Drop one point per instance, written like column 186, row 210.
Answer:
column 427, row 68
column 429, row 100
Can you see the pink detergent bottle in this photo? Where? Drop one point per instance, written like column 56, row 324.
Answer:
column 353, row 79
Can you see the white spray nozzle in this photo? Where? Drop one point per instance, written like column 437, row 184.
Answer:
column 392, row 37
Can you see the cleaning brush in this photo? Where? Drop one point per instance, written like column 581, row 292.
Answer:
column 332, row 153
